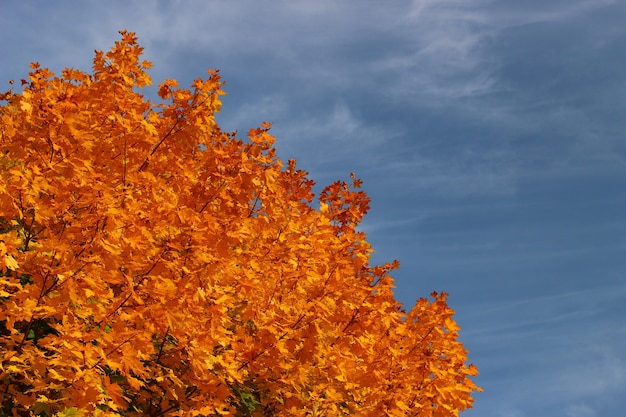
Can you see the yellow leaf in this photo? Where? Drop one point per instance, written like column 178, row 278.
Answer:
column 9, row 261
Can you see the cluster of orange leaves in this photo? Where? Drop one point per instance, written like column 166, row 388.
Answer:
column 152, row 264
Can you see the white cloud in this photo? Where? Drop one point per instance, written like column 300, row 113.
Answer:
column 333, row 133
column 460, row 173
column 581, row 411
column 252, row 112
column 343, row 121
column 512, row 413
column 601, row 373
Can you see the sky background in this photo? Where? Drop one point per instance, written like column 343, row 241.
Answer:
column 489, row 135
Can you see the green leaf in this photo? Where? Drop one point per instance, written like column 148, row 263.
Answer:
column 70, row 412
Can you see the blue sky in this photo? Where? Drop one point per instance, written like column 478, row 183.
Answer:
column 489, row 135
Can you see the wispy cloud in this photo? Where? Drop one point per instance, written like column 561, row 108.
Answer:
column 586, row 361
column 581, row 411
column 489, row 134
column 462, row 172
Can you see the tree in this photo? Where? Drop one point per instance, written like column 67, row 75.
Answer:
column 152, row 264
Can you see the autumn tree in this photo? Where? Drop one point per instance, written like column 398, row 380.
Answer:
column 152, row 264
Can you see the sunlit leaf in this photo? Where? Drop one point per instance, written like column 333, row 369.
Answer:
column 152, row 264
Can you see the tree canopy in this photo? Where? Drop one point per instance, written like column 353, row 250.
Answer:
column 153, row 264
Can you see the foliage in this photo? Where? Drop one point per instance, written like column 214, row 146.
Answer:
column 153, row 264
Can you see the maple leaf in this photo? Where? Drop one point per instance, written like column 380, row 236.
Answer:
column 152, row 264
